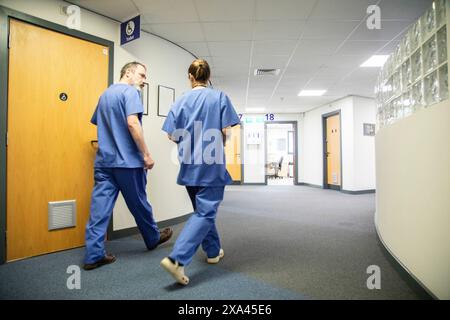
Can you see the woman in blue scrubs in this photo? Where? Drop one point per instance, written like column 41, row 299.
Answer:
column 197, row 122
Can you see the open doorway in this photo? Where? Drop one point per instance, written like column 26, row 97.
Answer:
column 281, row 153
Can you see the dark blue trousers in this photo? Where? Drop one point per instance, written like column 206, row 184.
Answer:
column 132, row 184
column 200, row 229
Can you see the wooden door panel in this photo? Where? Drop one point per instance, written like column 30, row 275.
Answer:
column 333, row 150
column 49, row 155
column 233, row 153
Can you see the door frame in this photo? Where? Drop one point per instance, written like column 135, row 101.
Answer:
column 294, row 125
column 6, row 15
column 325, row 184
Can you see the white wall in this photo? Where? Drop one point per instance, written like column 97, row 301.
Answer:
column 364, row 146
column 358, row 156
column 413, row 188
column 167, row 65
column 254, row 154
column 313, row 143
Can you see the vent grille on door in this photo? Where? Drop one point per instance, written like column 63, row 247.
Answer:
column 266, row 72
column 61, row 214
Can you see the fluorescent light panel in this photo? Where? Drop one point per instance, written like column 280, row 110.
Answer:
column 311, row 93
column 375, row 61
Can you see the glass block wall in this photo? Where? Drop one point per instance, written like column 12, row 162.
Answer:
column 415, row 75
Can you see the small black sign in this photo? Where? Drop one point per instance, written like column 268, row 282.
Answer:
column 63, row 96
column 369, row 129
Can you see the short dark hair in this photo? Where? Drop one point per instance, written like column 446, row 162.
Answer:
column 132, row 66
column 199, row 69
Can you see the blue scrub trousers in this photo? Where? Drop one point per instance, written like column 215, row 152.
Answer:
column 108, row 182
column 201, row 226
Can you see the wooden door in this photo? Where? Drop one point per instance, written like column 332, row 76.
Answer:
column 233, row 153
column 55, row 81
column 333, row 149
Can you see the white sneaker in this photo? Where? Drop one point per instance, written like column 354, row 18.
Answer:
column 175, row 270
column 216, row 259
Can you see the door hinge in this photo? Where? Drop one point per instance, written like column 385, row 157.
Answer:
column 6, row 138
column 9, row 40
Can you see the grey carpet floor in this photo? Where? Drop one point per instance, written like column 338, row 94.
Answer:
column 280, row 242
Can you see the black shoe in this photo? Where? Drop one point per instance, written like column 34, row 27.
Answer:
column 109, row 258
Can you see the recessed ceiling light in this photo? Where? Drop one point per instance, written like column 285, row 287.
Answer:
column 255, row 109
column 375, row 61
column 311, row 93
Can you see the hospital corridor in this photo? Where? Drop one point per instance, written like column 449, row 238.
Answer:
column 211, row 150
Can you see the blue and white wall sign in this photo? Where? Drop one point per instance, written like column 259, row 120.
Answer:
column 130, row 30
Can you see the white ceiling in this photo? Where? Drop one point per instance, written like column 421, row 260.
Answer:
column 317, row 44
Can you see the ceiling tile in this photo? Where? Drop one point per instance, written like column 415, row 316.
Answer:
column 283, row 10
column 319, row 84
column 197, row 48
column 389, row 48
column 178, row 32
column 301, row 59
column 227, row 31
column 256, row 103
column 363, row 48
column 229, row 10
column 163, row 11
column 231, row 62
column 341, row 9
column 346, row 62
column 300, row 71
column 230, row 48
column 409, row 10
column 269, row 62
column 274, row 47
column 278, row 30
column 323, row 29
column 389, row 30
column 316, row 46
column 230, row 71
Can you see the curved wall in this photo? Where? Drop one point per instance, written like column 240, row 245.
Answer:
column 413, row 195
column 413, row 176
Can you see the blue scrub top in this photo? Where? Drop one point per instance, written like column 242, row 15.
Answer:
column 213, row 110
column 116, row 147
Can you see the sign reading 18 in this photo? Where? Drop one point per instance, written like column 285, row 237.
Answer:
column 269, row 116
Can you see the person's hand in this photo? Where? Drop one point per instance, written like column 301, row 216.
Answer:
column 148, row 162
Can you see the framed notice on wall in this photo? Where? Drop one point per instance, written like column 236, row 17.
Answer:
column 369, row 129
column 166, row 97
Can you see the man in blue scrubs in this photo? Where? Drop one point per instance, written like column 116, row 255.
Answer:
column 121, row 165
column 197, row 122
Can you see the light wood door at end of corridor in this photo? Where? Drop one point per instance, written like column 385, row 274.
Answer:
column 233, row 154
column 55, row 81
column 333, row 150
